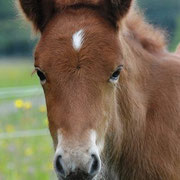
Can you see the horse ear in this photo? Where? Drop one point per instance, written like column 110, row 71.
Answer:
column 38, row 11
column 116, row 9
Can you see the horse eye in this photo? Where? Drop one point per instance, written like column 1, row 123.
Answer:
column 41, row 75
column 115, row 75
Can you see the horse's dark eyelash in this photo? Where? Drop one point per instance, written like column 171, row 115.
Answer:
column 119, row 69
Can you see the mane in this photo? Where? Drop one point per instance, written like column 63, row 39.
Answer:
column 152, row 39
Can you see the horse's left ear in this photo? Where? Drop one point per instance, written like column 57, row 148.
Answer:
column 38, row 12
column 116, row 9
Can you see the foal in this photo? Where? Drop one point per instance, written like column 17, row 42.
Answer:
column 112, row 90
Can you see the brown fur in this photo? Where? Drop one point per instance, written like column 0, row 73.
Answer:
column 139, row 119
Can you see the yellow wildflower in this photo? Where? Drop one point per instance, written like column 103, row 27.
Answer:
column 42, row 108
column 27, row 105
column 28, row 152
column 18, row 103
column 9, row 128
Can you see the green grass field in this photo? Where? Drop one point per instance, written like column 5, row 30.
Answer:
column 23, row 158
column 14, row 74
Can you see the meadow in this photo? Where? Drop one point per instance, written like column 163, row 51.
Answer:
column 28, row 156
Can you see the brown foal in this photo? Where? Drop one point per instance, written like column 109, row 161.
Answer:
column 112, row 90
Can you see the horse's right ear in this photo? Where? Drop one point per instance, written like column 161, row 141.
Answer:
column 38, row 12
column 116, row 9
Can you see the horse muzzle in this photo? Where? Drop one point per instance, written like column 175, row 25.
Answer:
column 76, row 167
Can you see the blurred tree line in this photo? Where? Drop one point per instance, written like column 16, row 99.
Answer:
column 16, row 37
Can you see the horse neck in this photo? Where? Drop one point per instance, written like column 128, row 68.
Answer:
column 142, row 52
column 127, row 130
column 133, row 88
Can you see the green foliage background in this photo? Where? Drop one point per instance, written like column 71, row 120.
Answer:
column 16, row 37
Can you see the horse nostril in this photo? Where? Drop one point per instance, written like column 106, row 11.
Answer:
column 95, row 165
column 60, row 166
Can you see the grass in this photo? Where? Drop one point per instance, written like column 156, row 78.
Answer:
column 26, row 157
column 17, row 74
